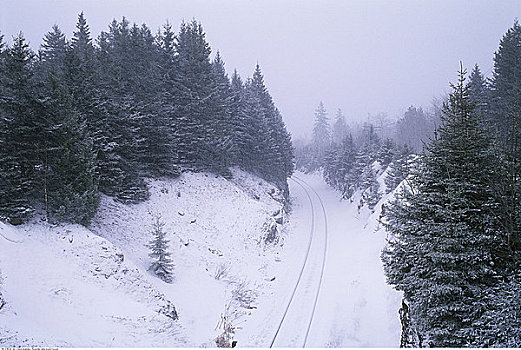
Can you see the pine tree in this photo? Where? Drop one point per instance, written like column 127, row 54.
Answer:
column 371, row 187
column 162, row 266
column 340, row 128
column 340, row 167
column 122, row 147
column 505, row 112
column 321, row 136
column 193, row 74
column 443, row 248
column 279, row 149
column 222, row 151
column 386, row 153
column 243, row 126
column 414, row 128
column 479, row 93
column 67, row 173
column 398, row 169
column 18, row 131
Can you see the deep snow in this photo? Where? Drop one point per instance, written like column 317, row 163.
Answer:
column 66, row 285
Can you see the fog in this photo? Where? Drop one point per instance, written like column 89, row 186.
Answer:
column 364, row 57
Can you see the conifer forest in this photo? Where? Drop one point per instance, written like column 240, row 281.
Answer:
column 152, row 197
column 85, row 116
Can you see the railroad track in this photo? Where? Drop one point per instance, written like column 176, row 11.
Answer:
column 313, row 237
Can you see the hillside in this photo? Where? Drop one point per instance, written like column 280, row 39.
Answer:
column 69, row 286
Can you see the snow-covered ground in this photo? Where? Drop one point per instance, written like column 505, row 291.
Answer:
column 66, row 285
column 355, row 308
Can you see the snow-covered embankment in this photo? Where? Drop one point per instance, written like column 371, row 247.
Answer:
column 66, row 285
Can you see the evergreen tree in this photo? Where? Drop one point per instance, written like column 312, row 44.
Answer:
column 442, row 251
column 340, row 167
column 340, row 128
column 414, row 128
column 479, row 93
column 243, row 132
column 398, row 169
column 279, row 150
column 123, row 144
column 371, row 188
column 370, row 141
column 321, row 136
column 386, row 153
column 54, row 50
column 162, row 266
column 67, row 173
column 505, row 112
column 19, row 131
column 194, row 88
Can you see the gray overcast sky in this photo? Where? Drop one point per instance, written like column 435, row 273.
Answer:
column 361, row 56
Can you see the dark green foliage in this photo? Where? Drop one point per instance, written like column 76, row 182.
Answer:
column 83, row 116
column 66, row 178
column 479, row 93
column 505, row 113
column 273, row 142
column 443, row 245
column 18, row 128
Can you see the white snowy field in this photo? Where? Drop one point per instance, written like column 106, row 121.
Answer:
column 70, row 286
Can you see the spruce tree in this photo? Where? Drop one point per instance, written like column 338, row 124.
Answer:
column 371, row 188
column 279, row 149
column 443, row 245
column 321, row 136
column 340, row 128
column 19, row 131
column 67, row 174
column 398, row 169
column 163, row 265
column 505, row 106
column 193, row 80
column 479, row 93
column 121, row 166
column 386, row 153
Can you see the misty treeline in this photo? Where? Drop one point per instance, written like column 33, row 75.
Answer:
column 352, row 155
column 454, row 226
column 82, row 116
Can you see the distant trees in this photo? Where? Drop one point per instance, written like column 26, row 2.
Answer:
column 347, row 164
column 340, row 129
column 79, row 118
column 413, row 128
column 321, row 139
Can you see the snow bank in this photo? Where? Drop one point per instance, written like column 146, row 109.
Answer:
column 69, row 286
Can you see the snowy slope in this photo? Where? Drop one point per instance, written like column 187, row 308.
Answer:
column 66, row 285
